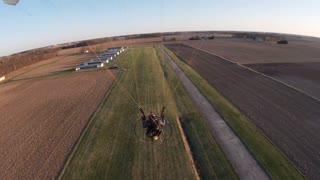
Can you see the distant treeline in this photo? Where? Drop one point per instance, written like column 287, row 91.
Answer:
column 262, row 37
column 25, row 58
column 108, row 39
column 255, row 36
column 283, row 41
column 80, row 44
column 203, row 37
column 19, row 60
column 152, row 35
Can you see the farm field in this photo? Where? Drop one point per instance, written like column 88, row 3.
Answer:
column 208, row 155
column 26, row 69
column 49, row 66
column 276, row 165
column 289, row 118
column 109, row 148
column 60, row 64
column 249, row 51
column 241, row 158
column 42, row 118
column 304, row 76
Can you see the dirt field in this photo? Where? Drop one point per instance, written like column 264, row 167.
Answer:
column 304, row 76
column 289, row 118
column 246, row 52
column 18, row 72
column 240, row 157
column 49, row 66
column 41, row 119
column 55, row 65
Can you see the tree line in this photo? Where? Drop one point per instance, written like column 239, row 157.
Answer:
column 19, row 60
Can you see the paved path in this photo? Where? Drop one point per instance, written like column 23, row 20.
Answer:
column 241, row 159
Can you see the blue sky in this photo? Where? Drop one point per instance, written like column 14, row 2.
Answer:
column 37, row 23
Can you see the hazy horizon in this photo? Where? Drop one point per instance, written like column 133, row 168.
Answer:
column 37, row 24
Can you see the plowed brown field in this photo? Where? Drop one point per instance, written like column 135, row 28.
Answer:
column 288, row 117
column 304, row 76
column 246, row 52
column 56, row 65
column 41, row 119
column 49, row 66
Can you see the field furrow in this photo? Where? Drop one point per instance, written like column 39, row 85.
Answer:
column 289, row 118
column 41, row 119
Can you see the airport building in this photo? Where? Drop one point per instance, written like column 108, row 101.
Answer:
column 102, row 59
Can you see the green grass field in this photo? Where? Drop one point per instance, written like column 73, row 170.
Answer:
column 277, row 165
column 109, row 149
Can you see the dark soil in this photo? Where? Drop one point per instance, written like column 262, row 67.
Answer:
column 288, row 117
column 304, row 76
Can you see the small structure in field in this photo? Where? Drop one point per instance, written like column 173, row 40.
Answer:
column 283, row 41
column 94, row 63
column 113, row 67
column 259, row 39
column 116, row 50
column 113, row 54
column 2, row 78
column 86, row 51
column 87, row 65
column 105, row 56
column 100, row 59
